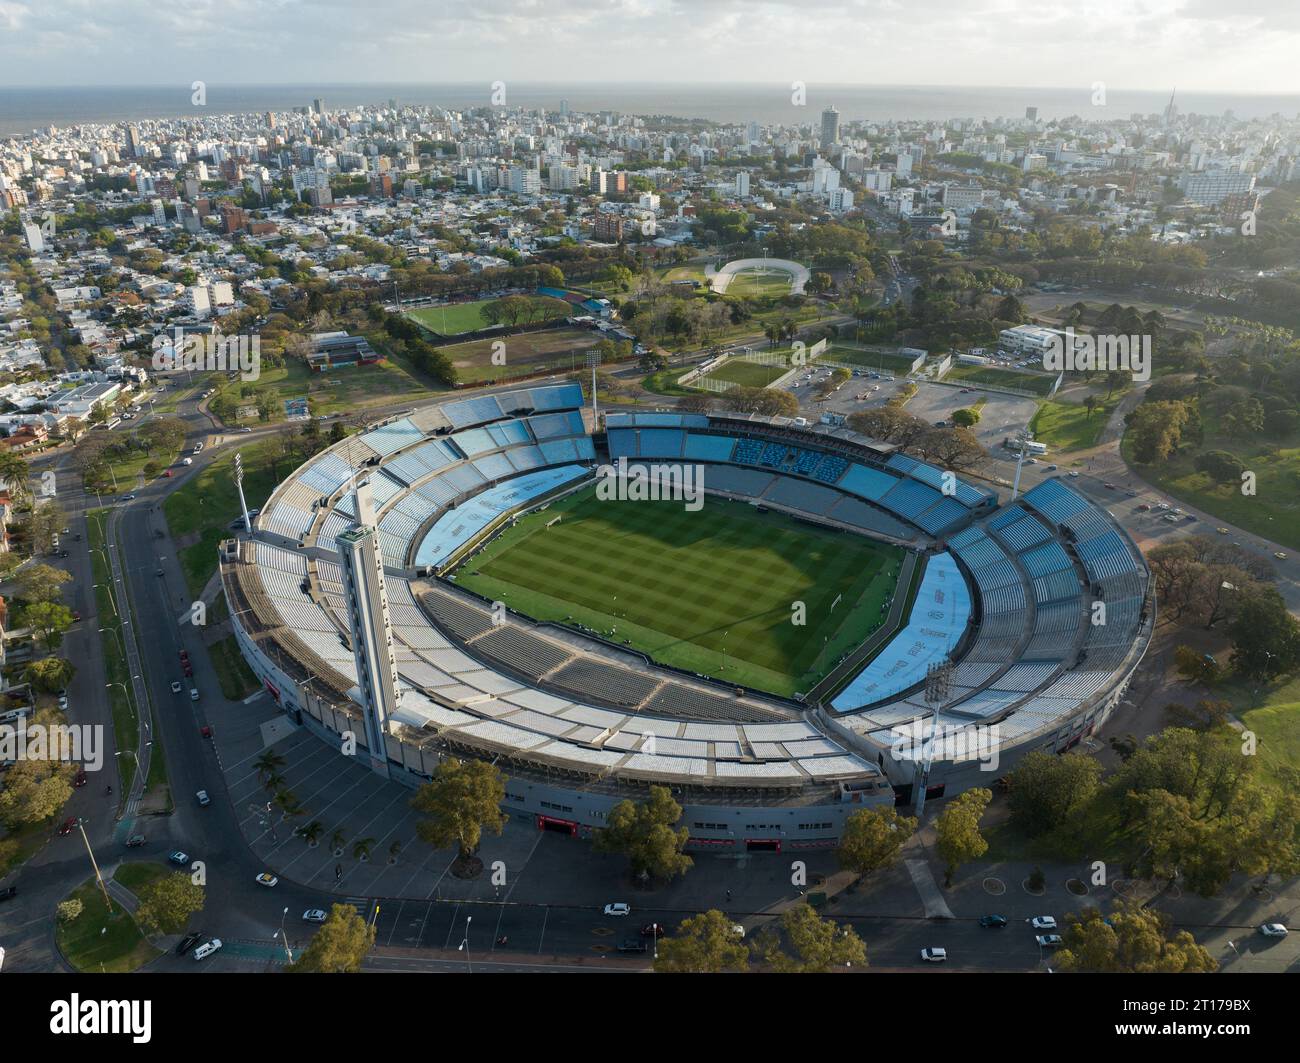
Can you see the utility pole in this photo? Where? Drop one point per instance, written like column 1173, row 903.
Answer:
column 938, row 681
column 99, row 878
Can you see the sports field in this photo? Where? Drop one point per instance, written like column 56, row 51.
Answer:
column 754, row 283
column 866, row 358
column 711, row 591
column 560, row 349
column 748, row 374
column 1037, row 383
column 453, row 319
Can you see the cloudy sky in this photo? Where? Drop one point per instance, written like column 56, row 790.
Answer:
column 1212, row 45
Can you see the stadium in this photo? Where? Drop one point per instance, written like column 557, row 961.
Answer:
column 825, row 624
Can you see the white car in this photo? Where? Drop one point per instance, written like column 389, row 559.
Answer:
column 1049, row 941
column 176, row 686
column 934, row 955
column 1074, row 473
column 266, row 879
column 1273, row 930
column 1043, row 922
column 314, row 915
column 202, row 798
column 618, row 908
column 207, row 949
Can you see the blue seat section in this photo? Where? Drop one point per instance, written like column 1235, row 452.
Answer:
column 1055, row 501
column 455, row 528
column 586, row 448
column 622, row 443
column 748, row 451
column 830, row 468
column 554, row 425
column 1024, row 533
column 471, row 412
column 806, row 461
column 1010, row 515
column 475, row 441
column 495, row 466
column 709, row 448
column 866, row 482
column 661, row 442
column 557, row 397
column 909, row 498
column 656, row 420
column 938, row 619
column 943, row 515
column 933, row 476
column 509, row 433
column 773, row 455
column 1050, row 557
column 559, row 451
column 390, row 437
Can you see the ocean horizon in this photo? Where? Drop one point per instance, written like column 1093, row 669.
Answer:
column 24, row 109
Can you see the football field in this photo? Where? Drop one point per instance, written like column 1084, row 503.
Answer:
column 717, row 591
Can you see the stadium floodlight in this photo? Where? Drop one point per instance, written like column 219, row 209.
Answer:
column 1022, row 438
column 593, row 360
column 938, row 684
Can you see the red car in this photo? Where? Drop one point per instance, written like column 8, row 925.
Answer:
column 189, row 672
column 653, row 930
column 69, row 825
column 80, row 779
column 185, row 655
column 206, row 732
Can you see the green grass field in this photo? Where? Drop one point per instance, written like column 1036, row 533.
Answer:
column 1036, row 383
column 452, row 320
column 867, row 358
column 558, row 349
column 1067, row 426
column 102, row 939
column 748, row 374
column 753, row 283
column 711, row 591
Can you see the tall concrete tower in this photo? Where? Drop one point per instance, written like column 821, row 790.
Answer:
column 830, row 128
column 372, row 634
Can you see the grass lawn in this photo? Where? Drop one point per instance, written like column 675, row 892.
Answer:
column 136, row 874
column 752, row 283
column 17, row 846
column 1068, row 426
column 664, row 382
column 748, row 374
column 688, row 272
column 710, row 591
column 342, row 390
column 118, row 674
column 1272, row 712
column 102, row 939
column 1273, row 512
column 236, row 678
column 867, row 358
column 1037, row 383
column 207, row 504
column 559, row 350
column 453, row 319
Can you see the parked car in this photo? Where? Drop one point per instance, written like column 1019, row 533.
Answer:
column 993, row 920
column 1043, row 922
column 207, row 949
column 8, row 893
column 202, row 798
column 1273, row 930
column 314, row 915
column 934, row 955
column 176, row 686
column 68, row 825
column 632, row 945
column 618, row 908
column 79, row 779
column 180, row 859
column 266, row 879
column 194, row 693
column 1048, row 941
column 1280, row 555
column 135, row 841
column 187, row 942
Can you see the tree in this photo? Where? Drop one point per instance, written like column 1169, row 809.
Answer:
column 48, row 621
column 703, row 944
column 958, row 831
column 462, row 801
column 42, row 583
column 965, row 418
column 340, row 945
column 34, row 790
column 808, row 944
column 872, row 838
column 1220, row 466
column 43, row 523
column 1048, row 791
column 13, row 474
column 1265, row 636
column 50, row 674
column 1131, row 940
column 643, row 832
column 167, row 903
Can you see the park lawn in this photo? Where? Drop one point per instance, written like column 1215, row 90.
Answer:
column 26, row 840
column 102, row 939
column 136, row 874
column 341, row 390
column 1036, row 383
column 690, row 271
column 664, row 382
column 207, row 504
column 748, row 374
column 236, row 678
column 1067, row 426
column 752, row 283
column 1273, row 512
column 452, row 319
column 709, row 591
column 557, row 350
column 108, row 599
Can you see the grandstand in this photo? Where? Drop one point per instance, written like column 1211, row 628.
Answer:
column 1007, row 593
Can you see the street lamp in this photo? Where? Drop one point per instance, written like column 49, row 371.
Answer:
column 464, row 944
column 126, row 694
column 284, row 937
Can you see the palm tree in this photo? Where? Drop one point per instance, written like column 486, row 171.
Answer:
column 272, row 781
column 361, row 850
column 311, row 833
column 268, row 762
column 393, row 851
column 336, row 842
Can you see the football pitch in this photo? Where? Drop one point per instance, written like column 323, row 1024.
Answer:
column 452, row 319
column 714, row 591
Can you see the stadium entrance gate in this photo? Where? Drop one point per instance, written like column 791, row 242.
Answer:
column 762, row 845
column 560, row 826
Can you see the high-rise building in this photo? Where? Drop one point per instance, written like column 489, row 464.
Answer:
column 742, row 184
column 132, row 142
column 372, row 635
column 318, row 105
column 830, row 127
column 1031, row 113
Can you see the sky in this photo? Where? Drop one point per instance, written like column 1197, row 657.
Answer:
column 1240, row 46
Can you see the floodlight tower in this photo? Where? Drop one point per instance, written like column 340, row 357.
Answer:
column 1022, row 438
column 593, row 360
column 239, row 486
column 938, row 682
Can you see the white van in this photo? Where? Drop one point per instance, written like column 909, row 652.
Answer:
column 207, row 949
column 194, row 693
column 187, row 461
